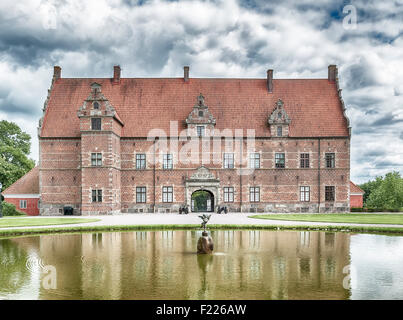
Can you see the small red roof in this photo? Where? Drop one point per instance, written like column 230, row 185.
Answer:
column 27, row 184
column 313, row 105
column 355, row 189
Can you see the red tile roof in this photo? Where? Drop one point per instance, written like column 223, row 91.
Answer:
column 355, row 189
column 147, row 103
column 27, row 184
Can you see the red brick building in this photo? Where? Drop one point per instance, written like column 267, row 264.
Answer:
column 356, row 196
column 24, row 193
column 110, row 145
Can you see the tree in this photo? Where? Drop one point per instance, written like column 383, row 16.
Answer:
column 15, row 147
column 389, row 193
column 370, row 186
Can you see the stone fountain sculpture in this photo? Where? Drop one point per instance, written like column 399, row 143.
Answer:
column 205, row 243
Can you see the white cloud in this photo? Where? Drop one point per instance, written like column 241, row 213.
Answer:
column 298, row 39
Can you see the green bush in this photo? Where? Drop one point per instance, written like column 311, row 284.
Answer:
column 10, row 210
column 369, row 209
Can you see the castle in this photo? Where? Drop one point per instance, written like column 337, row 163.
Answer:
column 131, row 145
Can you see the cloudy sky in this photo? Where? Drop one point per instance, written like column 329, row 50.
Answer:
column 298, row 39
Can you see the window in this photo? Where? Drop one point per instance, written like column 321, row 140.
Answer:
column 280, row 160
column 279, row 131
column 141, row 194
column 330, row 160
column 23, row 204
column 254, row 160
column 96, row 159
column 228, row 160
column 140, row 161
column 167, row 194
column 329, row 193
column 228, row 194
column 254, row 194
column 96, row 105
column 201, row 113
column 96, row 195
column 304, row 193
column 200, row 131
column 167, row 163
column 304, row 160
column 96, row 123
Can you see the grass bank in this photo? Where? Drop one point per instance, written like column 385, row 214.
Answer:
column 7, row 222
column 73, row 229
column 337, row 218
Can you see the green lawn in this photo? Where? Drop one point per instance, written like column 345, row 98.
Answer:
column 339, row 218
column 33, row 221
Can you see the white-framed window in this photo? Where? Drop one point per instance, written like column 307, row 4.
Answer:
column 96, row 159
column 254, row 194
column 167, row 161
column 254, row 160
column 228, row 160
column 279, row 131
column 141, row 194
column 167, row 194
column 329, row 193
column 330, row 159
column 200, row 131
column 304, row 160
column 140, row 161
column 228, row 194
column 23, row 204
column 280, row 160
column 304, row 193
column 96, row 124
column 96, row 195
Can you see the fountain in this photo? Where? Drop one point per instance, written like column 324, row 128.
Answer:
column 205, row 243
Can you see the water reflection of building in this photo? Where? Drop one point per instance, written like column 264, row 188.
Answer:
column 163, row 265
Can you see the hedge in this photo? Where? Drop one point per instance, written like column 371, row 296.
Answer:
column 366, row 209
column 10, row 210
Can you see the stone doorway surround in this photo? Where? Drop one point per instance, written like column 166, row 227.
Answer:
column 202, row 179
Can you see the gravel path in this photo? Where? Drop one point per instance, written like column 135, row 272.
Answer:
column 192, row 218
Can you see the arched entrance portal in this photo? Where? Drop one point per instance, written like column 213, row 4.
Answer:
column 202, row 201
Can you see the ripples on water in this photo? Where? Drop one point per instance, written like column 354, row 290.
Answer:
column 163, row 265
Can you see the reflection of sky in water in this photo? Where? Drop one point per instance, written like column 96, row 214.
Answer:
column 377, row 267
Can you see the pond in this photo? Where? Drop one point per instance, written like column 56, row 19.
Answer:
column 247, row 264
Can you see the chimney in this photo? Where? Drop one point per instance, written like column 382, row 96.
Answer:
column 186, row 73
column 116, row 74
column 332, row 72
column 57, row 73
column 270, row 80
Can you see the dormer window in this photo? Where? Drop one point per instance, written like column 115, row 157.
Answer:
column 96, row 105
column 200, row 131
column 96, row 123
column 279, row 121
column 201, row 113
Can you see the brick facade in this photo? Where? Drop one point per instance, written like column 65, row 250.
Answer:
column 71, row 176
